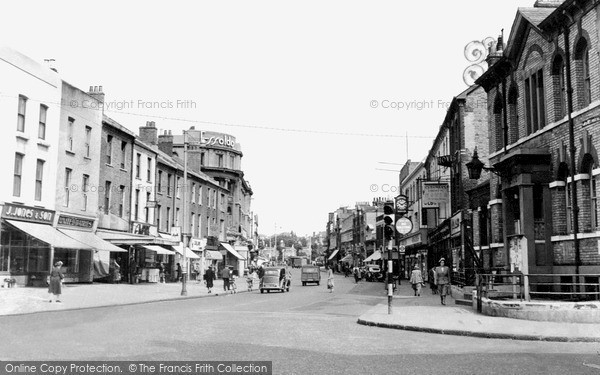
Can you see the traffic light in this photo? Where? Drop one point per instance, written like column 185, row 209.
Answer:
column 389, row 218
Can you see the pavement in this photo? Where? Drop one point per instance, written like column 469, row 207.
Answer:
column 427, row 314
column 424, row 313
column 28, row 300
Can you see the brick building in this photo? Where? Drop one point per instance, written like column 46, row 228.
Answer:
column 552, row 52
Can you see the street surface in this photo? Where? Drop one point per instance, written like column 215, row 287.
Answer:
column 305, row 331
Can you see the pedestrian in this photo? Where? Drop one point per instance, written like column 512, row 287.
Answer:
column 416, row 279
column 225, row 277
column 55, row 281
column 209, row 277
column 179, row 272
column 330, row 283
column 442, row 280
column 161, row 272
column 432, row 281
column 356, row 273
column 132, row 270
column 115, row 271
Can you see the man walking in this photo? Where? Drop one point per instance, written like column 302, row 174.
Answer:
column 225, row 277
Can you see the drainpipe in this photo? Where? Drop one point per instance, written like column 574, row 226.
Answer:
column 504, row 113
column 572, row 151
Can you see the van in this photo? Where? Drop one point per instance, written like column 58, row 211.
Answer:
column 310, row 274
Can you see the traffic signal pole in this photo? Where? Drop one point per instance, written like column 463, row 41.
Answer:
column 390, row 278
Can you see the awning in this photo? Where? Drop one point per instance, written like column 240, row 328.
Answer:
column 333, row 254
column 347, row 258
column 92, row 240
column 123, row 238
column 373, row 257
column 49, row 234
column 213, row 255
column 159, row 250
column 232, row 250
column 188, row 253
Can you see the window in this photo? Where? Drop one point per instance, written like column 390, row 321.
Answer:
column 88, row 140
column 147, row 210
column 18, row 171
column 21, row 113
column 138, row 161
column 220, row 160
column 67, row 187
column 169, row 177
column 123, row 153
column 199, row 194
column 39, row 174
column 85, row 186
column 158, row 217
column 582, row 74
column 149, row 170
column 168, row 219
column 594, row 203
column 559, row 88
column 122, row 201
column 231, row 162
column 159, row 182
column 42, row 126
column 177, row 217
column 107, row 188
column 192, row 224
column 136, row 207
column 109, row 149
column 569, row 207
column 70, row 134
column 193, row 194
column 534, row 102
column 178, row 187
column 202, row 158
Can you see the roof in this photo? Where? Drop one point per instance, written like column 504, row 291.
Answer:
column 27, row 64
column 108, row 121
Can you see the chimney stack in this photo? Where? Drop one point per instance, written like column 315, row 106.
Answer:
column 165, row 143
column 548, row 3
column 96, row 93
column 149, row 133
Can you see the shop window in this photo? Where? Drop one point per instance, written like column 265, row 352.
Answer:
column 18, row 252
column 39, row 257
column 69, row 259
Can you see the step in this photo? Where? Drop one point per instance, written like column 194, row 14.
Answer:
column 464, row 302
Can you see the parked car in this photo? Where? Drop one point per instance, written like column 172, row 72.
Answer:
column 372, row 272
column 310, row 274
column 275, row 278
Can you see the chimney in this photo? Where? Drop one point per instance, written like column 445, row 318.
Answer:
column 165, row 143
column 496, row 50
column 149, row 133
column 96, row 93
column 548, row 3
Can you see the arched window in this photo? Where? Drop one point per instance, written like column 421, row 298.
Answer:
column 587, row 167
column 559, row 88
column 498, row 125
column 563, row 175
column 513, row 116
column 582, row 74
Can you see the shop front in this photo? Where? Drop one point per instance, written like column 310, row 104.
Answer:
column 232, row 258
column 439, row 244
column 30, row 245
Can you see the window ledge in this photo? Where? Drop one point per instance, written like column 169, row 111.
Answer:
column 123, row 170
column 22, row 136
column 87, row 158
column 109, row 165
column 43, row 143
column 68, row 152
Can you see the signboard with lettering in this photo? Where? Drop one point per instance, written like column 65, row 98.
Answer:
column 197, row 244
column 435, row 194
column 74, row 221
column 25, row 213
column 176, row 233
column 404, row 225
column 208, row 138
column 455, row 222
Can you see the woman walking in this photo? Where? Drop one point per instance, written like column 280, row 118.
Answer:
column 416, row 279
column 55, row 284
column 442, row 280
column 330, row 284
column 209, row 277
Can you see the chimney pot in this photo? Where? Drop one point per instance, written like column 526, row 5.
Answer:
column 99, row 88
column 170, row 132
column 91, row 88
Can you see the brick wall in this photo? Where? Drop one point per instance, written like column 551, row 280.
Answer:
column 559, row 215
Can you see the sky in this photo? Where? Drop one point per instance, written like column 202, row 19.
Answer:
column 328, row 99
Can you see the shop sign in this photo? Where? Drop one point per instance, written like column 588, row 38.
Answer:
column 435, row 194
column 140, row 228
column 176, row 233
column 197, row 244
column 214, row 139
column 412, row 240
column 455, row 222
column 404, row 225
column 73, row 221
column 25, row 213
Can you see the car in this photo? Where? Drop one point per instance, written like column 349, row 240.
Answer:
column 275, row 278
column 310, row 274
column 372, row 272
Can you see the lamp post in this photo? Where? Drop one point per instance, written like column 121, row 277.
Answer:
column 184, row 233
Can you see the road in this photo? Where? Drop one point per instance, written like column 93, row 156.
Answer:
column 305, row 331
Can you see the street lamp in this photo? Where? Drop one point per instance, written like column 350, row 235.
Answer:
column 475, row 166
